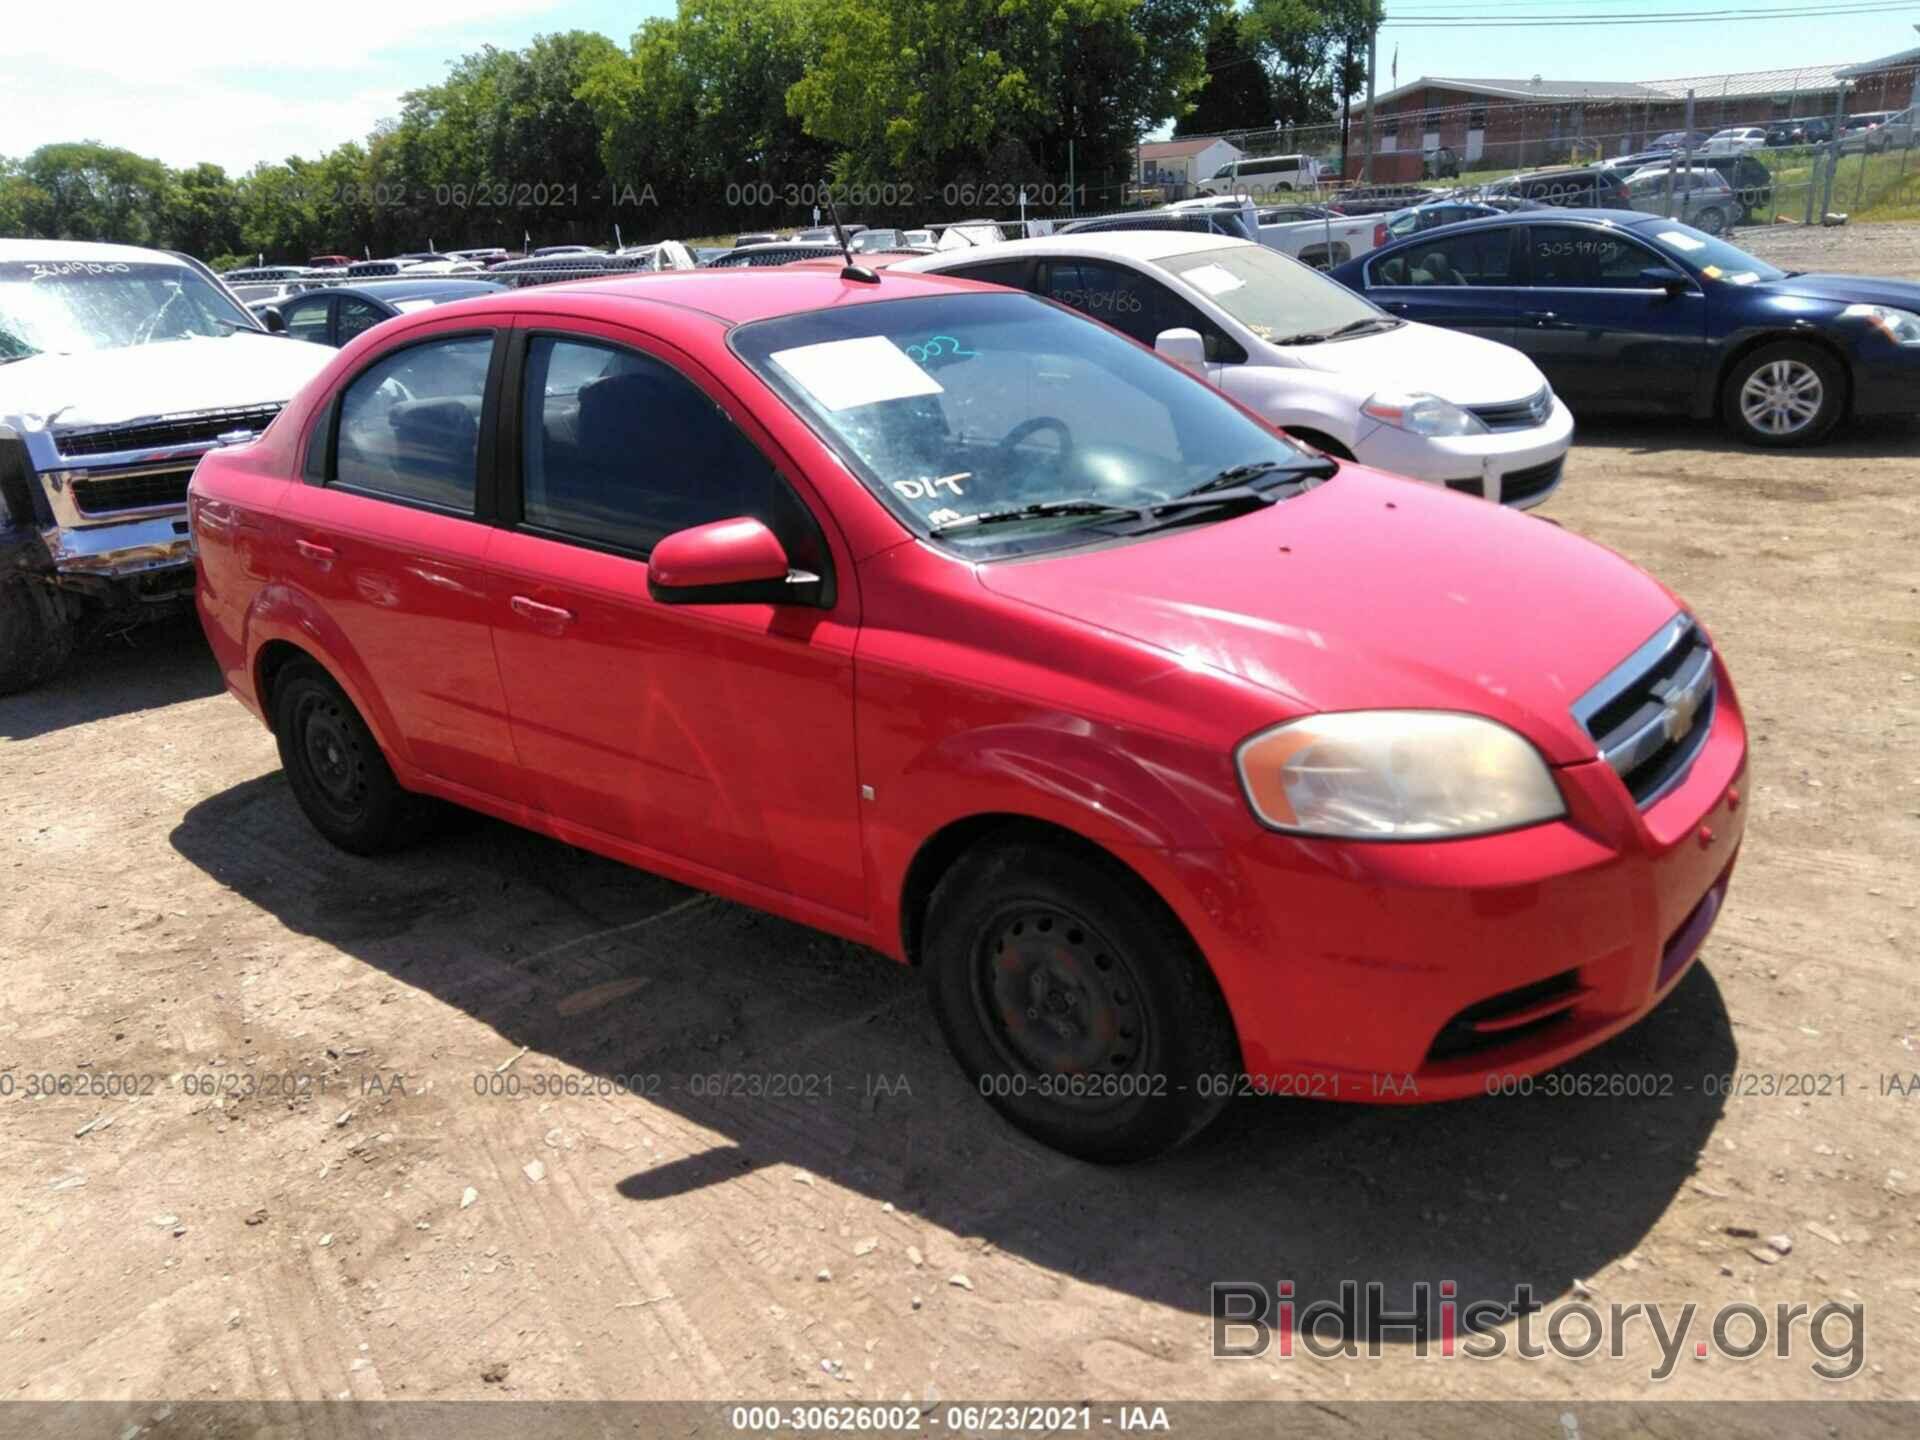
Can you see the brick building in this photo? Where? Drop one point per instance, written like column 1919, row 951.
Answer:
column 1511, row 124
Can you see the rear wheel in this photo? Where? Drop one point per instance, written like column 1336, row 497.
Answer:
column 1711, row 220
column 1076, row 1003
column 36, row 635
column 1787, row 393
column 334, row 764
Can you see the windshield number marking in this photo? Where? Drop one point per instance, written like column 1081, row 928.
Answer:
column 930, row 489
column 937, row 347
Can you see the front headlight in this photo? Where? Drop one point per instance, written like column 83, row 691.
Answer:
column 1395, row 775
column 1900, row 326
column 1422, row 414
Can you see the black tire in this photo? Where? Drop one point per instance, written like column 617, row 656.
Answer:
column 335, row 766
column 1711, row 221
column 1076, row 1002
column 36, row 634
column 1786, row 393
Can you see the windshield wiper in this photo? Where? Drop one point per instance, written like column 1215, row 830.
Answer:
column 1040, row 510
column 1239, row 475
column 1365, row 322
column 1352, row 327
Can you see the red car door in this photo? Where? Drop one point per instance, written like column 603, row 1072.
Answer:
column 392, row 542
column 720, row 735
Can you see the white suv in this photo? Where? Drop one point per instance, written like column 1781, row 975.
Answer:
column 1309, row 355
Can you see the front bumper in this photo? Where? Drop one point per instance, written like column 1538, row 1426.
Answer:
column 120, row 551
column 1431, row 971
column 1476, row 464
column 1886, row 378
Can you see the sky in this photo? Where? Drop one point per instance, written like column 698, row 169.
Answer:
column 238, row 83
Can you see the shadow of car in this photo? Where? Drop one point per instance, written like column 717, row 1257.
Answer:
column 620, row 974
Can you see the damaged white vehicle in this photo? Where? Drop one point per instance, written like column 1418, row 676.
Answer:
column 119, row 368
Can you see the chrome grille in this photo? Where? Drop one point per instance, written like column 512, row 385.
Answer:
column 1517, row 414
column 1652, row 713
column 155, row 489
column 196, row 428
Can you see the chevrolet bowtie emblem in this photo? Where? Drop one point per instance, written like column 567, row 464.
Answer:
column 1677, row 718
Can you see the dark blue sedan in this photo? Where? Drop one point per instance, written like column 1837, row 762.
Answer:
column 1635, row 313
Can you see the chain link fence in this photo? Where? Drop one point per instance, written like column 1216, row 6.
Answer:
column 1816, row 144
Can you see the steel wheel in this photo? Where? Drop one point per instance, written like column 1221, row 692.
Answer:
column 1782, row 398
column 1057, row 1000
column 334, row 764
column 333, row 755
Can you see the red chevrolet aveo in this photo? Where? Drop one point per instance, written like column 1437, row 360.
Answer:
column 1187, row 762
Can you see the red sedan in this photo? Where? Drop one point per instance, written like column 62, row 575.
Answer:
column 1187, row 762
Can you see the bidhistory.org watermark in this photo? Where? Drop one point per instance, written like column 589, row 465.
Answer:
column 1252, row 1319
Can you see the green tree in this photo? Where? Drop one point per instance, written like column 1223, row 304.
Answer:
column 930, row 91
column 694, row 118
column 203, row 215
column 1238, row 94
column 83, row 190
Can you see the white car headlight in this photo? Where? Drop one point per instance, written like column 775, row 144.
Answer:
column 1395, row 775
column 1900, row 326
column 1421, row 414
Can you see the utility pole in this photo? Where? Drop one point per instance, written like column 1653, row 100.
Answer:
column 1373, row 46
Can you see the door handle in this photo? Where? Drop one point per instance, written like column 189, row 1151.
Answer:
column 528, row 608
column 319, row 554
column 1541, row 317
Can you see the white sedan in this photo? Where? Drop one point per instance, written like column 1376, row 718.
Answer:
column 1312, row 357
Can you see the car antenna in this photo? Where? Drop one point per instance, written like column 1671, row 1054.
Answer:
column 852, row 271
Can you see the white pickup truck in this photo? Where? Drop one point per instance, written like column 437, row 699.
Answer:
column 1322, row 243
column 119, row 368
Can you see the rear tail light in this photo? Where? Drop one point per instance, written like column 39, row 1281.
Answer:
column 1379, row 235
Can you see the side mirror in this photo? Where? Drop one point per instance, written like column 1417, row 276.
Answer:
column 1183, row 346
column 275, row 322
column 737, row 561
column 1659, row 277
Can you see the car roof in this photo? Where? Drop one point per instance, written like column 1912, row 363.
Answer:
column 1551, row 215
column 14, row 251
column 422, row 289
column 1119, row 244
column 734, row 297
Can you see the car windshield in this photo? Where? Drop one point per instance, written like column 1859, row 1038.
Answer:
column 67, row 306
column 1714, row 259
column 956, row 408
column 1276, row 298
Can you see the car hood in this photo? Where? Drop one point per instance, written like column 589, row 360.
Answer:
column 1464, row 369
column 168, row 377
column 1850, row 290
column 1372, row 592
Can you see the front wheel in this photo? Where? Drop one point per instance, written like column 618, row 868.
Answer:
column 36, row 635
column 334, row 764
column 1076, row 1003
column 1787, row 393
column 1710, row 221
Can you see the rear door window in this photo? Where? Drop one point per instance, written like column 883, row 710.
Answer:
column 358, row 316
column 409, row 424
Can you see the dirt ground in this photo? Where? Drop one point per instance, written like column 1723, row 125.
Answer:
column 365, row 1166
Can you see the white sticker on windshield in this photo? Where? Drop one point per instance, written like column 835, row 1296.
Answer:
column 1214, row 279
column 1680, row 240
column 842, row 374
